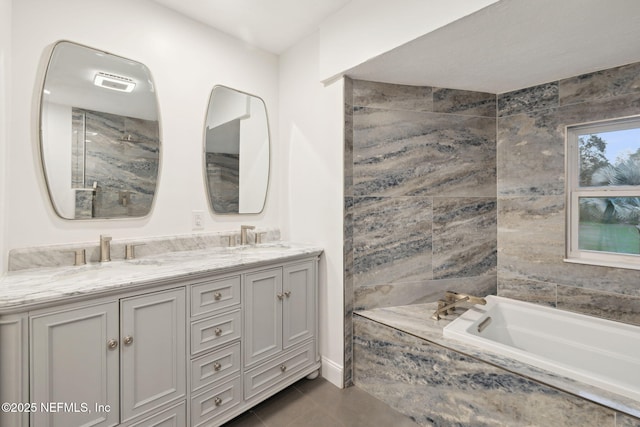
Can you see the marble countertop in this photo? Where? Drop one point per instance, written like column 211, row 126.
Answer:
column 28, row 289
column 416, row 320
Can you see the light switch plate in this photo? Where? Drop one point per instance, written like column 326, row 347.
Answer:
column 197, row 220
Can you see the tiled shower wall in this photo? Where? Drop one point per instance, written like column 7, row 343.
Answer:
column 531, row 194
column 420, row 195
column 421, row 170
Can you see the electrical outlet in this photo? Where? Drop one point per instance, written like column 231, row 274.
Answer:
column 197, row 220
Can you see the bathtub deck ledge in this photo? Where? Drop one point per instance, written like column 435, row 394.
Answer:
column 416, row 320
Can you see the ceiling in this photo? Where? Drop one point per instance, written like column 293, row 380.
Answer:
column 509, row 45
column 514, row 44
column 273, row 25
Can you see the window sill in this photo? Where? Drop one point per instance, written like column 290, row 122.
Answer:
column 601, row 263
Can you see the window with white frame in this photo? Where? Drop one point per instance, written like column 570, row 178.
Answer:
column 603, row 193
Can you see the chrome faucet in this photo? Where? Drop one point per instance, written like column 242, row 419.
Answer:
column 105, row 248
column 243, row 233
column 452, row 300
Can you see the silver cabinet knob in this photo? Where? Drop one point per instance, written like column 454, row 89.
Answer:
column 217, row 331
column 128, row 340
column 280, row 296
column 112, row 344
column 217, row 401
column 283, row 368
column 287, row 294
column 217, row 366
column 217, row 296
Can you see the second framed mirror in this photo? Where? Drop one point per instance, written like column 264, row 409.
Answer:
column 236, row 152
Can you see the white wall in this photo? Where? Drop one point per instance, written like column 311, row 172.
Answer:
column 186, row 60
column 364, row 29
column 5, row 116
column 311, row 129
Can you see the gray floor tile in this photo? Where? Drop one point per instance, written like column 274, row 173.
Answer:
column 318, row 403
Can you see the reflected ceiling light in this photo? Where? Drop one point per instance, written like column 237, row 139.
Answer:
column 114, row 82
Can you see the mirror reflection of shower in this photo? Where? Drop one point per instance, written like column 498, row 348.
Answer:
column 100, row 134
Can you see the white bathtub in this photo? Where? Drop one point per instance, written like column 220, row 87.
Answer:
column 599, row 352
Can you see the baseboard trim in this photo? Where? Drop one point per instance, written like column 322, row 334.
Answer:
column 332, row 372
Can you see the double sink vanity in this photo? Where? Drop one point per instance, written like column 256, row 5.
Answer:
column 192, row 337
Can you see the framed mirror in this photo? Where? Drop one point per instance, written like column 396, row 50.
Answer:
column 99, row 134
column 236, row 152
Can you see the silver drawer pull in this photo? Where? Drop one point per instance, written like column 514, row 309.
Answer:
column 283, row 368
column 128, row 340
column 217, row 296
column 217, row 401
column 217, row 331
column 112, row 344
column 217, row 366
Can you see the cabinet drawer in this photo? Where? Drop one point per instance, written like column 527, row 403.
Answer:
column 215, row 295
column 215, row 367
column 213, row 331
column 210, row 404
column 172, row 417
column 281, row 368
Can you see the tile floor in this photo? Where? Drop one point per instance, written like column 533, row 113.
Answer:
column 318, row 403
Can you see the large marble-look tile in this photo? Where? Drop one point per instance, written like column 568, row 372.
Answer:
column 464, row 237
column 622, row 308
column 530, row 238
column 600, row 84
column 408, row 153
column 440, row 387
column 392, row 240
column 389, row 96
column 464, row 102
column 390, row 295
column 530, row 154
column 529, row 99
column 528, row 290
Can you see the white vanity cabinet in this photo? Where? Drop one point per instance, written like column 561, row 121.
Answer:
column 280, row 324
column 96, row 356
column 193, row 349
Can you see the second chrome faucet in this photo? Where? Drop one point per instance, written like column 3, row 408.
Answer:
column 243, row 233
column 105, row 248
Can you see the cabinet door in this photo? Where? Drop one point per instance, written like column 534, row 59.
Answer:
column 14, row 362
column 152, row 333
column 299, row 308
column 263, row 315
column 73, row 364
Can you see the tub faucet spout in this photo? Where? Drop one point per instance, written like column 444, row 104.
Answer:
column 452, row 300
